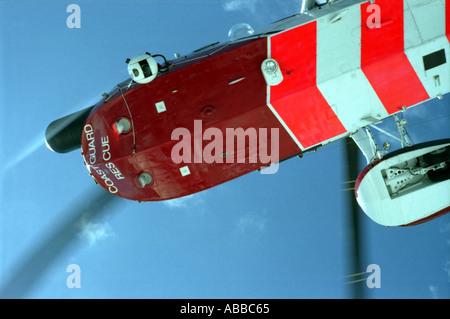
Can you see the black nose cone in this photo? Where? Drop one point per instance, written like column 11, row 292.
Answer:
column 64, row 134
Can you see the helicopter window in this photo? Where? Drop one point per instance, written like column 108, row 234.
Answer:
column 136, row 72
column 145, row 68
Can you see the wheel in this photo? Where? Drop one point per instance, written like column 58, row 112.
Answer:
column 439, row 175
column 437, row 157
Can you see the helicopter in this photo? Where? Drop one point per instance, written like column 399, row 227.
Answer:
column 335, row 70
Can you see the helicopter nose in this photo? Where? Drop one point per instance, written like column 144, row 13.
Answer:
column 64, row 135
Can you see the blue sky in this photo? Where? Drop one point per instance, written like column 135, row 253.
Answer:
column 259, row 236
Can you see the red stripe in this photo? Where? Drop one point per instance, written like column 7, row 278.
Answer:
column 297, row 99
column 383, row 60
column 447, row 18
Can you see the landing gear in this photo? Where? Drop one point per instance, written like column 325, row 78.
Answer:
column 435, row 158
column 407, row 186
column 369, row 147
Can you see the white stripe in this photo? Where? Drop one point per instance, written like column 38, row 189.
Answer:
column 423, row 38
column 425, row 19
column 339, row 75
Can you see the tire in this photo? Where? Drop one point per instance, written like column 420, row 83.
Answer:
column 433, row 159
column 439, row 175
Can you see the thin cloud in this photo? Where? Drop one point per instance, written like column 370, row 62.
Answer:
column 446, row 228
column 94, row 232
column 446, row 268
column 265, row 6
column 434, row 292
column 235, row 5
column 251, row 223
column 184, row 202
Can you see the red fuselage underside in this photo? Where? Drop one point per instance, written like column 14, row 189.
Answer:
column 190, row 91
